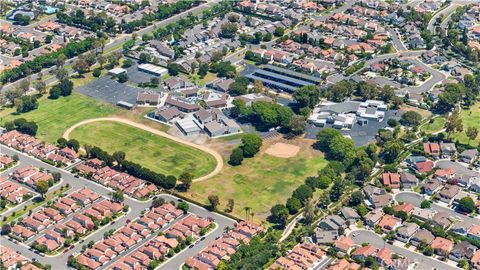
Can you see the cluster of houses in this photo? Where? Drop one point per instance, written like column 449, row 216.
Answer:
column 225, row 246
column 37, row 148
column 12, row 191
column 95, row 170
column 11, row 259
column 469, row 23
column 401, row 71
column 119, row 11
column 121, row 241
column 302, row 256
column 30, row 176
column 68, row 217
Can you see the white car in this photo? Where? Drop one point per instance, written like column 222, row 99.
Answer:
column 355, row 234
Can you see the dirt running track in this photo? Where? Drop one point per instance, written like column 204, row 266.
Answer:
column 216, row 155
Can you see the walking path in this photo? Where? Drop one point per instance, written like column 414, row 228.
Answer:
column 216, row 155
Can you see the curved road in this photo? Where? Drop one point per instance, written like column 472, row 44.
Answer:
column 424, row 262
column 217, row 156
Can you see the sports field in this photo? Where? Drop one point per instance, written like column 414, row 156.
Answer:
column 260, row 182
column 53, row 117
column 152, row 151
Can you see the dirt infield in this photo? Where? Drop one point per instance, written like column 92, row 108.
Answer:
column 283, row 150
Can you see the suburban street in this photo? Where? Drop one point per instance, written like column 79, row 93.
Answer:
column 416, row 199
column 424, row 262
column 136, row 207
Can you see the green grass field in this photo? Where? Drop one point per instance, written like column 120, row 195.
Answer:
column 53, row 117
column 152, row 151
column 260, row 182
column 470, row 118
column 437, row 125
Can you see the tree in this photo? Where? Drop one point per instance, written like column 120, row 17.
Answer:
column 279, row 214
column 186, row 180
column 307, row 96
column 54, row 92
column 239, row 86
column 119, row 157
column 42, row 187
column 214, row 201
column 118, row 196
column 472, row 133
column 60, row 61
column 279, row 31
column 228, row 30
column 26, row 104
column 258, row 87
column 144, row 58
column 325, row 137
column 203, row 69
column 123, row 77
column 293, row 205
column 466, row 205
column 303, row 193
column 297, row 125
column 80, row 66
column 230, row 205
column 251, row 144
column 425, row 204
column 173, row 69
column 169, row 182
column 356, row 198
column 61, row 74
column 411, row 119
column 41, row 87
column 183, row 206
column 24, row 85
column 453, row 124
column 391, row 150
column 97, row 72
column 66, row 87
column 56, row 176
column 236, row 157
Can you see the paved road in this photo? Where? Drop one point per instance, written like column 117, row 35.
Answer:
column 123, row 38
column 424, row 262
column 136, row 207
column 416, row 199
column 396, row 40
column 215, row 154
column 445, row 163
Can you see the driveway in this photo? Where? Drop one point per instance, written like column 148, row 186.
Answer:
column 136, row 207
column 424, row 262
column 416, row 199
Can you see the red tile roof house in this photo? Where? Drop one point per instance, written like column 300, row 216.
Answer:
column 445, row 174
column 115, row 245
column 53, row 214
column 303, row 256
column 5, row 161
column 384, row 257
column 33, row 224
column 85, row 221
column 404, row 207
column 389, row 223
column 96, row 255
column 442, row 246
column 432, row 149
column 344, row 245
column 362, row 253
column 68, row 153
column 424, row 166
column 76, row 227
column 21, row 231
column 391, row 180
column 87, row 262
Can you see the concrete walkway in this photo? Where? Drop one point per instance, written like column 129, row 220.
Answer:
column 217, row 156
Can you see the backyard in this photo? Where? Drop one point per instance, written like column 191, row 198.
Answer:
column 151, row 151
column 260, row 182
column 53, row 117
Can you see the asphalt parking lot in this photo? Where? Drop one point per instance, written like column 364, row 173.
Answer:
column 361, row 135
column 110, row 91
column 137, row 76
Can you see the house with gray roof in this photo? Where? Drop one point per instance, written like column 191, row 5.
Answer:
column 443, row 219
column 420, row 236
column 332, row 222
column 461, row 227
column 322, row 237
column 462, row 251
column 469, row 155
column 373, row 217
column 350, row 214
column 406, row 231
column 448, row 149
column 408, row 180
column 422, row 214
column 167, row 114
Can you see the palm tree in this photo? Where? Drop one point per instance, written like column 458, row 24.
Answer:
column 251, row 215
column 247, row 210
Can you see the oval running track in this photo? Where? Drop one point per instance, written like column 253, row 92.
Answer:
column 216, row 155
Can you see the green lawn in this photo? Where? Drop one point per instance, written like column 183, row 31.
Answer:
column 470, row 118
column 55, row 116
column 260, row 182
column 152, row 151
column 438, row 124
